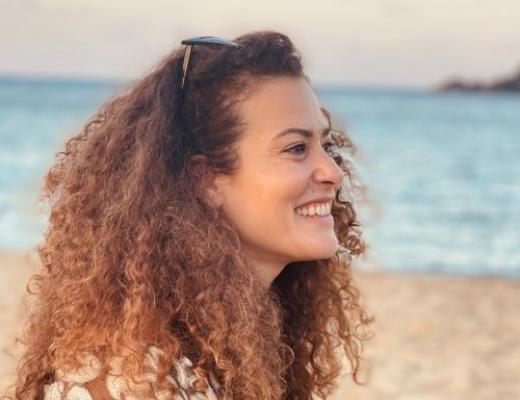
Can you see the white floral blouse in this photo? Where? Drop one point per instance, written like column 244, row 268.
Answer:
column 88, row 383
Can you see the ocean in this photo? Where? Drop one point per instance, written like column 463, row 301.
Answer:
column 443, row 169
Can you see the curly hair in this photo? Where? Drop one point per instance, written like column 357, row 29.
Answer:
column 133, row 254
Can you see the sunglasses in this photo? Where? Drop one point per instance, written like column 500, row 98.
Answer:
column 200, row 40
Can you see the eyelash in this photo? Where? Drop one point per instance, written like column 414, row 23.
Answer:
column 328, row 147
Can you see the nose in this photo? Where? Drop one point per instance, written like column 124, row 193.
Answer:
column 326, row 171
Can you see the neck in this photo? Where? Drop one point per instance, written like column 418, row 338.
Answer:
column 266, row 267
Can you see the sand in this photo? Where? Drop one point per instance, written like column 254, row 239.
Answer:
column 439, row 337
column 436, row 337
column 16, row 268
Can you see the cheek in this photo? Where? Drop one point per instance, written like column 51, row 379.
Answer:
column 264, row 200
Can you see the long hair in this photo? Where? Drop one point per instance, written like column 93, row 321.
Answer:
column 134, row 255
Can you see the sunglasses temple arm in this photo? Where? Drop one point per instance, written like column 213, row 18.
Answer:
column 185, row 62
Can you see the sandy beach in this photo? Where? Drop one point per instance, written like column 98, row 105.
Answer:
column 442, row 338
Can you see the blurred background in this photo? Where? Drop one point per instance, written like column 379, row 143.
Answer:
column 428, row 91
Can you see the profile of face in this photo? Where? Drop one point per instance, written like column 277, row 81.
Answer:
column 286, row 178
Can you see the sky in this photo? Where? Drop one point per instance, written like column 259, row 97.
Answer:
column 393, row 43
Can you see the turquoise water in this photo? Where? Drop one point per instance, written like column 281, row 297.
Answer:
column 444, row 169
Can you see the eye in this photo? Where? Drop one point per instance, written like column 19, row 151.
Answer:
column 300, row 148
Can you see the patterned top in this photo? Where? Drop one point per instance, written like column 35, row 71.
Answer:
column 88, row 383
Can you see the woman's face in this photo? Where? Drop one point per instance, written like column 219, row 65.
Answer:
column 283, row 166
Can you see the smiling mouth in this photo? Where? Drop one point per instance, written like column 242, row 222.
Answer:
column 326, row 219
column 316, row 216
column 322, row 209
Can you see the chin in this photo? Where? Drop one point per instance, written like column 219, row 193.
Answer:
column 321, row 253
column 315, row 247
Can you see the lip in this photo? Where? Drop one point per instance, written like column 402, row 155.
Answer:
column 327, row 220
column 317, row 200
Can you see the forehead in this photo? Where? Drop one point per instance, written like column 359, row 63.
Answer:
column 279, row 103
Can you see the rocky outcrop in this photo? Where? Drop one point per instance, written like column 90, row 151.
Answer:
column 506, row 84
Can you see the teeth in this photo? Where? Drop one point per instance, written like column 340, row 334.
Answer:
column 321, row 209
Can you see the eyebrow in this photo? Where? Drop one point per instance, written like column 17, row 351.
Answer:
column 304, row 132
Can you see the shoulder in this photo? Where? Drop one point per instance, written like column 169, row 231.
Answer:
column 90, row 382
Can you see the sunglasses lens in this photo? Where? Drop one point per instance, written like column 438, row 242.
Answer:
column 209, row 40
column 201, row 40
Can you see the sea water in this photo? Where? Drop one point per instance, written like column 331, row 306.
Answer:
column 442, row 170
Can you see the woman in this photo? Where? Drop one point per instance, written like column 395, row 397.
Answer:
column 200, row 239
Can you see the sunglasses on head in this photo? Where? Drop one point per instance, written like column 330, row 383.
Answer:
column 204, row 41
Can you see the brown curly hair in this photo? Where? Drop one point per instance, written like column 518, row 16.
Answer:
column 135, row 256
